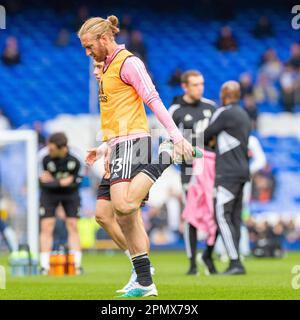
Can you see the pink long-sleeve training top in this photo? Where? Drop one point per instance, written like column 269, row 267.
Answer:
column 134, row 73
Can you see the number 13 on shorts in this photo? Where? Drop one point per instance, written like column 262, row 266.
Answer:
column 117, row 165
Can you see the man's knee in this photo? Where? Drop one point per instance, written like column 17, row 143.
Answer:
column 104, row 213
column 72, row 225
column 124, row 207
column 47, row 226
column 102, row 219
column 124, row 221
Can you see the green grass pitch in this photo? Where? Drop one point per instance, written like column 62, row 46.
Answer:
column 266, row 279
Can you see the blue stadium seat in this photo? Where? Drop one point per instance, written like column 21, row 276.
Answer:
column 58, row 77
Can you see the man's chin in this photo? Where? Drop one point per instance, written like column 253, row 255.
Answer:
column 99, row 60
column 196, row 99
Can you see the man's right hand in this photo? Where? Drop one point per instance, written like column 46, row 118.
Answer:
column 95, row 153
column 106, row 163
column 183, row 150
column 65, row 182
column 46, row 177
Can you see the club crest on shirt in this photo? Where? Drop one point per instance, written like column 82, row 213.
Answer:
column 207, row 113
column 71, row 165
column 188, row 117
column 51, row 166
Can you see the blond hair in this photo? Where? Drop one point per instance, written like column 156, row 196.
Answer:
column 97, row 26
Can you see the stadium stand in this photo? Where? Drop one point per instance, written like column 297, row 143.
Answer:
column 52, row 80
column 58, row 72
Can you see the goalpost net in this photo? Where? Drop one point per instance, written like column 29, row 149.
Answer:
column 19, row 185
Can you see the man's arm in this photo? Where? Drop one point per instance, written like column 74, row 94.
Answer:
column 216, row 125
column 74, row 179
column 47, row 181
column 78, row 172
column 68, row 181
column 258, row 158
column 135, row 74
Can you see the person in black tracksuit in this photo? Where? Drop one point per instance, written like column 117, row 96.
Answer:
column 230, row 127
column 191, row 113
column 59, row 177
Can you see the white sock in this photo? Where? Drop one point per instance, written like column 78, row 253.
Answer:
column 128, row 255
column 77, row 258
column 44, row 260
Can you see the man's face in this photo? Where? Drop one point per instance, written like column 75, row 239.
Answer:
column 54, row 151
column 94, row 48
column 97, row 72
column 194, row 87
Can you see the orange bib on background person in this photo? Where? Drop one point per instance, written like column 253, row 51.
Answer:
column 122, row 109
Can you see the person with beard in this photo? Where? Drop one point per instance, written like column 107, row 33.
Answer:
column 124, row 88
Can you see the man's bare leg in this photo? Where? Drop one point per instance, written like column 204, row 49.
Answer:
column 135, row 191
column 106, row 218
column 143, row 227
column 134, row 232
column 129, row 195
column 74, row 240
column 46, row 241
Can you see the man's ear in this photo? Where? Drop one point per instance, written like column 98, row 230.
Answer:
column 100, row 40
column 104, row 39
column 212, row 142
